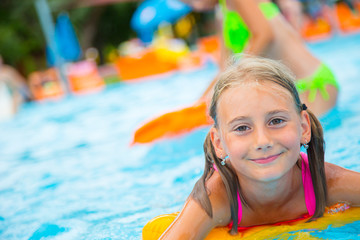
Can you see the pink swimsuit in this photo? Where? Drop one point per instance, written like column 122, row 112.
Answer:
column 310, row 200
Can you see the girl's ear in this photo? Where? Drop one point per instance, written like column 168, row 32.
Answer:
column 305, row 126
column 216, row 142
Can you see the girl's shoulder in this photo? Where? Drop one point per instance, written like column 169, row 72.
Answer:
column 342, row 185
column 335, row 173
column 215, row 185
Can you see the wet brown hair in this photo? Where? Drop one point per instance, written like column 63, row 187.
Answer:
column 262, row 70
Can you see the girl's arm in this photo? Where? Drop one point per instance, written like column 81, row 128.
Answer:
column 259, row 26
column 193, row 222
column 343, row 185
column 224, row 56
column 261, row 35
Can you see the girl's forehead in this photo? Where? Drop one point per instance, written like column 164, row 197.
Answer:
column 255, row 94
column 256, row 85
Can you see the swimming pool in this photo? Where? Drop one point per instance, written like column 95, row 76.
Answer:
column 67, row 170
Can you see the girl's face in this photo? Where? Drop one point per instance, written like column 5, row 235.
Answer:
column 260, row 130
column 201, row 5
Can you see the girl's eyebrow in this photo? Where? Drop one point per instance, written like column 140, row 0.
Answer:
column 239, row 118
column 244, row 118
column 274, row 112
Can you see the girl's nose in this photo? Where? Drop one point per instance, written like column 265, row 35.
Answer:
column 263, row 141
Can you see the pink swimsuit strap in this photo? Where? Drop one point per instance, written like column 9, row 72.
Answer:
column 310, row 200
column 309, row 193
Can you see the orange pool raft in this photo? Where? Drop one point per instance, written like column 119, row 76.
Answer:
column 348, row 20
column 84, row 77
column 314, row 30
column 45, row 85
column 210, row 45
column 173, row 123
column 153, row 62
column 147, row 64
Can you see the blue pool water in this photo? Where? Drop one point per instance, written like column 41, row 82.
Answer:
column 67, row 170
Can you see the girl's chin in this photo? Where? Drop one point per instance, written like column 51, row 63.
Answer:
column 270, row 175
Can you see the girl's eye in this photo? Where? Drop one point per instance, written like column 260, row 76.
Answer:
column 276, row 121
column 242, row 128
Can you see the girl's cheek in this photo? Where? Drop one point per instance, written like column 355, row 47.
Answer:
column 238, row 148
column 291, row 139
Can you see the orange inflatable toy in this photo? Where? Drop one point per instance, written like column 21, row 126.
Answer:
column 155, row 62
column 192, row 61
column 348, row 21
column 84, row 77
column 165, row 54
column 147, row 64
column 210, row 45
column 45, row 85
column 314, row 30
column 173, row 123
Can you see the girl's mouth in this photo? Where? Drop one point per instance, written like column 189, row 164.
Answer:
column 266, row 160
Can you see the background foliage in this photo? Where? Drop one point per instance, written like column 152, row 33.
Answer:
column 22, row 42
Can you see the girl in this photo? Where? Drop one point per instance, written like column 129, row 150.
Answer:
column 254, row 171
column 256, row 27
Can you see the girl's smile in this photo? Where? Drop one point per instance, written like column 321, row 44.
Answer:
column 266, row 160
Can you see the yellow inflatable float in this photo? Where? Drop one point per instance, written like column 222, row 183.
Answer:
column 155, row 227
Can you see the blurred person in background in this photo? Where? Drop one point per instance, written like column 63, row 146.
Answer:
column 292, row 10
column 257, row 27
column 13, row 91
